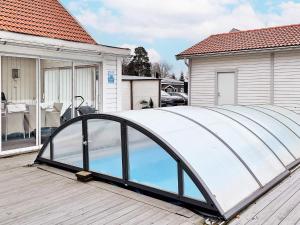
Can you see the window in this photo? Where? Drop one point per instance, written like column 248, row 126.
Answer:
column 149, row 164
column 190, row 190
column 105, row 149
column 67, row 145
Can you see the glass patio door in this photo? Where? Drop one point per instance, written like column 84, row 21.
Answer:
column 56, row 95
column 18, row 103
column 85, row 88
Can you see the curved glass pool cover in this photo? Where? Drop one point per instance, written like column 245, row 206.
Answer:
column 214, row 160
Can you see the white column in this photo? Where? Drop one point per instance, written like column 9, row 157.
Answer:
column 73, row 89
column 99, row 88
column 1, row 101
column 190, row 81
column 103, row 85
column 119, row 84
column 38, row 100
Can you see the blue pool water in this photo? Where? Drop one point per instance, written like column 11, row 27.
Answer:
column 150, row 166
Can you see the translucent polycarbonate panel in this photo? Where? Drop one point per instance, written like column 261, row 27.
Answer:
column 210, row 160
column 105, row 149
column 283, row 119
column 67, row 145
column 284, row 134
column 190, row 190
column 149, row 164
column 278, row 148
column 46, row 153
column 259, row 158
column 288, row 113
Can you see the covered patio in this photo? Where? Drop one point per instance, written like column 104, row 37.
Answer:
column 49, row 66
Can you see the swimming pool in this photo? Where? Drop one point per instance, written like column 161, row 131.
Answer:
column 149, row 166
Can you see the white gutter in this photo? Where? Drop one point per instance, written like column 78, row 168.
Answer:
column 188, row 63
column 16, row 39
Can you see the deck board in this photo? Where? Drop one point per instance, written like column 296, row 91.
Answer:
column 275, row 206
column 44, row 195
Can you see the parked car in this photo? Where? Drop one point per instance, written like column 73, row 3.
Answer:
column 168, row 100
column 182, row 95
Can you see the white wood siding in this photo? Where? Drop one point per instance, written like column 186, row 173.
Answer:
column 287, row 80
column 112, row 93
column 253, row 78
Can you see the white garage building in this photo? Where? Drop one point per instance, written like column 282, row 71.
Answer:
column 46, row 60
column 259, row 66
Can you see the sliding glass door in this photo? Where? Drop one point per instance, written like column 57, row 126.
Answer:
column 39, row 95
column 56, row 95
column 86, row 88
column 18, row 103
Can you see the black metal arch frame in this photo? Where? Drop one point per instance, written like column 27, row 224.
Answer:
column 209, row 208
column 263, row 189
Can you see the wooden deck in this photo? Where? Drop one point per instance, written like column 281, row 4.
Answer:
column 44, row 195
column 279, row 206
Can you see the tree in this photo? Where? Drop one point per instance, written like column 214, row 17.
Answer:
column 161, row 69
column 182, row 77
column 140, row 64
column 173, row 76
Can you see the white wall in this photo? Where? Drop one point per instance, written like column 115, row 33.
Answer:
column 141, row 90
column 144, row 90
column 112, row 93
column 253, row 83
column 126, row 96
column 287, row 80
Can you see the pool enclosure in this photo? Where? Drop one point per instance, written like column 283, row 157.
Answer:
column 213, row 160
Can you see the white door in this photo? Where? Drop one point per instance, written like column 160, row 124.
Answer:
column 226, row 90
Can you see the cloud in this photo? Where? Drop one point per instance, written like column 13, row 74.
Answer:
column 154, row 56
column 150, row 20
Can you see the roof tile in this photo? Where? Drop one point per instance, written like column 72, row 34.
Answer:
column 46, row 18
column 283, row 36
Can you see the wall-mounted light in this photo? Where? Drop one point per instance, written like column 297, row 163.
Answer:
column 15, row 74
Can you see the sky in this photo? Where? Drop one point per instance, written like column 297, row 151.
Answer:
column 167, row 27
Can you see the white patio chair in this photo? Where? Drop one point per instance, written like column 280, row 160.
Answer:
column 53, row 117
column 14, row 119
column 30, row 119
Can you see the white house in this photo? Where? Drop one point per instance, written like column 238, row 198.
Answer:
column 259, row 66
column 46, row 59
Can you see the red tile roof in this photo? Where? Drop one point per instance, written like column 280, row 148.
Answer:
column 283, row 36
column 46, row 18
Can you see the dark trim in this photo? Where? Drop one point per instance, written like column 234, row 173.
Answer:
column 200, row 184
column 59, row 165
column 201, row 208
column 180, row 180
column 159, row 94
column 222, row 141
column 124, row 138
column 85, row 143
column 51, row 150
column 131, row 95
